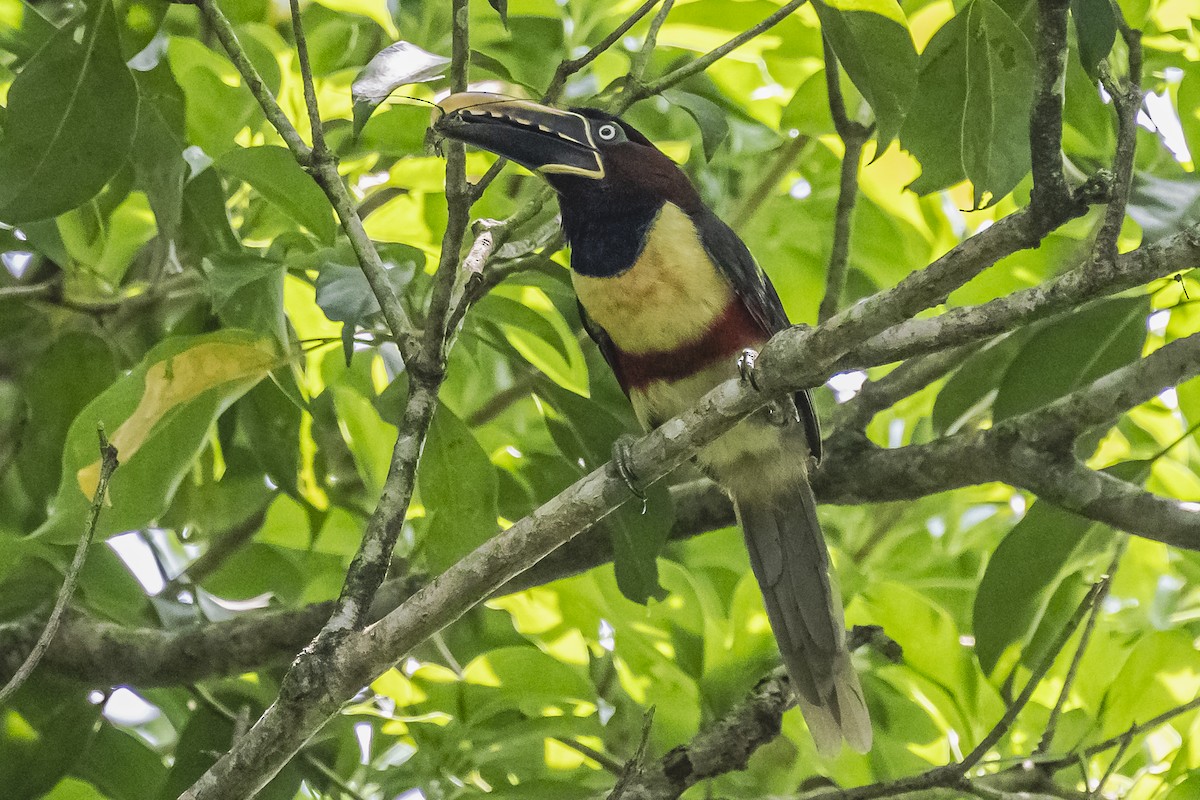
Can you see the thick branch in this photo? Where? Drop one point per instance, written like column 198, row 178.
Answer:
column 1090, row 281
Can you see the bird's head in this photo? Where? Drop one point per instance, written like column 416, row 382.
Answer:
column 594, row 160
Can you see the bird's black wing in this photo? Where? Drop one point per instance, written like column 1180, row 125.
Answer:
column 733, row 258
column 605, row 343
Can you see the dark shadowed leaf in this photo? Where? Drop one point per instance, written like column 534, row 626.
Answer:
column 872, row 42
column 970, row 391
column 394, row 66
column 933, row 129
column 1096, row 30
column 1163, row 205
column 710, row 117
column 345, row 296
column 501, row 7
column 995, row 131
column 71, row 118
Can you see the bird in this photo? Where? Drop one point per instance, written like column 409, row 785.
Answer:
column 677, row 304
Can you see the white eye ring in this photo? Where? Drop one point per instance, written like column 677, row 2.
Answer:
column 607, row 131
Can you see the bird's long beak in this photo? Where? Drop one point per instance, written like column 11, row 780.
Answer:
column 537, row 137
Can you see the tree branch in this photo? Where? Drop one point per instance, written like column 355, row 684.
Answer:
column 1093, row 280
column 1127, row 98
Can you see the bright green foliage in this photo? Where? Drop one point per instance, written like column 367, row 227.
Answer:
column 171, row 272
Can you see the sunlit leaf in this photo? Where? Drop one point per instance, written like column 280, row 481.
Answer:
column 158, row 418
column 274, row 173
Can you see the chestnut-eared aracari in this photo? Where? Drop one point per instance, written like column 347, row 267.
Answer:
column 672, row 296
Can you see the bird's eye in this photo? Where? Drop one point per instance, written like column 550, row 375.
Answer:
column 607, row 131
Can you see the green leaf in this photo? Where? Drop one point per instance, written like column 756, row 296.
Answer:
column 1095, row 29
column 501, row 7
column 584, row 433
column 710, row 117
column 995, row 129
column 345, row 296
column 274, row 174
column 122, row 765
column 535, row 329
column 1021, row 576
column 873, row 44
column 1188, row 105
column 1161, row 206
column 972, row 388
column 71, row 117
column 458, row 487
column 933, row 129
column 247, row 292
column 158, row 150
column 1027, row 568
column 158, row 417
column 1071, row 352
column 378, row 11
column 74, row 369
column 1160, row 674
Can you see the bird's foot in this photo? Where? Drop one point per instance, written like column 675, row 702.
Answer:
column 746, row 367
column 621, row 459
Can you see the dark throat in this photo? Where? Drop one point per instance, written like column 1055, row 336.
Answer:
column 606, row 230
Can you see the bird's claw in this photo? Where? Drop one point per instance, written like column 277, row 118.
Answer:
column 621, row 458
column 746, row 367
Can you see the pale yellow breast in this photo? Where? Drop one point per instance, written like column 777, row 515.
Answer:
column 670, row 296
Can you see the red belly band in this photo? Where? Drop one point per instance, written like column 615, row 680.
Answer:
column 728, row 335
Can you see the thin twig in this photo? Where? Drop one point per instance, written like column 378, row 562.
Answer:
column 843, row 221
column 1127, row 99
column 108, row 464
column 607, row 762
column 254, row 81
column 458, row 214
column 43, row 289
column 220, row 549
column 571, row 66
column 904, row 381
column 1089, row 601
column 854, row 137
column 1126, row 740
column 1141, row 728
column 1048, row 733
column 641, row 59
column 319, row 150
column 641, row 91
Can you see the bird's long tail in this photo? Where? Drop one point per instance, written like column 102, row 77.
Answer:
column 788, row 555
